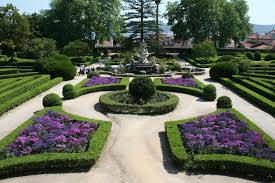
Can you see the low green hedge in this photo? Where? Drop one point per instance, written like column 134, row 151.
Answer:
column 220, row 163
column 18, row 75
column 262, row 83
column 8, row 71
column 196, row 64
column 16, row 83
column 6, row 96
column 259, row 75
column 255, row 87
column 156, row 108
column 80, row 90
column 54, row 162
column 16, row 101
column 180, row 89
column 5, row 82
column 258, row 100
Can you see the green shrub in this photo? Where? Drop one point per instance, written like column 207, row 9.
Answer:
column 270, row 57
column 92, row 74
column 40, row 48
column 57, row 66
column 224, row 102
column 244, row 65
column 250, row 55
column 8, row 71
column 78, row 60
column 209, row 93
column 257, row 56
column 223, row 69
column 76, row 49
column 69, row 92
column 187, row 75
column 142, row 88
column 18, row 75
column 205, row 49
column 177, row 67
column 225, row 58
column 52, row 100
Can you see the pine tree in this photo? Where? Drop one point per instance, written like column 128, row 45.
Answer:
column 140, row 18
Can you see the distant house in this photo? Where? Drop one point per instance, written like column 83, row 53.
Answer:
column 260, row 41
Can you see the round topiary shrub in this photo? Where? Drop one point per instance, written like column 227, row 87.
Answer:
column 142, row 88
column 205, row 49
column 250, row 55
column 225, row 58
column 68, row 92
column 51, row 100
column 224, row 102
column 209, row 93
column 257, row 56
column 223, row 69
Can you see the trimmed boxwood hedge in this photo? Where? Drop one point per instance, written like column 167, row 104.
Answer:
column 8, row 71
column 54, row 162
column 16, row 101
column 16, row 83
column 80, row 90
column 18, row 75
column 253, row 97
column 220, row 163
column 259, row 75
column 121, row 108
column 180, row 89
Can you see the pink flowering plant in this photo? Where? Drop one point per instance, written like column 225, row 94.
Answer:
column 224, row 133
column 98, row 80
column 53, row 132
column 183, row 81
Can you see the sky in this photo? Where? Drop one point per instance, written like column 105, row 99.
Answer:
column 261, row 11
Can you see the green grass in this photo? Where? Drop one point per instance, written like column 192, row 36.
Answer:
column 54, row 162
column 220, row 163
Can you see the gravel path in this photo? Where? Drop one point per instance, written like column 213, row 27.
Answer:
column 136, row 151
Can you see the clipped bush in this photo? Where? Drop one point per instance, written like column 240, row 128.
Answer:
column 187, row 75
column 257, row 56
column 57, row 66
column 269, row 57
column 224, row 102
column 244, row 65
column 223, row 69
column 209, row 93
column 142, row 88
column 76, row 48
column 250, row 55
column 225, row 58
column 205, row 49
column 69, row 92
column 52, row 100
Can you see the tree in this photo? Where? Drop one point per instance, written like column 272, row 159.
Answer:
column 42, row 48
column 76, row 48
column 217, row 20
column 139, row 18
column 35, row 21
column 14, row 28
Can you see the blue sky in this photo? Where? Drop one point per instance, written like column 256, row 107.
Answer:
column 261, row 11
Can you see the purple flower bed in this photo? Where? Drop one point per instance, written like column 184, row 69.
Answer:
column 190, row 82
column 53, row 132
column 97, row 80
column 223, row 133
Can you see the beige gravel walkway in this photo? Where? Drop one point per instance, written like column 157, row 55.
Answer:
column 136, row 151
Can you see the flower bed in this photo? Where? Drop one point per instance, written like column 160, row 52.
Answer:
column 54, row 142
column 223, row 133
column 224, row 142
column 98, row 80
column 52, row 132
column 190, row 82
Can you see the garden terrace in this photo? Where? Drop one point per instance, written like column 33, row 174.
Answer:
column 212, row 153
column 97, row 85
column 39, row 154
column 16, row 91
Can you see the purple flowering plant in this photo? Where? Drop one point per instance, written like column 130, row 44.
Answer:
column 98, row 80
column 183, row 81
column 223, row 133
column 52, row 133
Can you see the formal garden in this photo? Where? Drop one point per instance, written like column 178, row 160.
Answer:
column 137, row 112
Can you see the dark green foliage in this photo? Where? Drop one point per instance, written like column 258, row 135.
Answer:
column 54, row 162
column 224, row 102
column 92, row 74
column 257, row 56
column 244, row 65
column 52, row 100
column 142, row 88
column 76, row 49
column 220, row 163
column 209, row 93
column 57, row 66
column 205, row 49
column 187, row 75
column 18, row 75
column 225, row 58
column 250, row 55
column 161, row 107
column 270, row 57
column 8, row 71
column 69, row 92
column 223, row 69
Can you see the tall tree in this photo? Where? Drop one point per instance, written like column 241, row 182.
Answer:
column 14, row 28
column 139, row 16
column 217, row 20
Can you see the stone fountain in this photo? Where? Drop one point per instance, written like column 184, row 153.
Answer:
column 143, row 65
